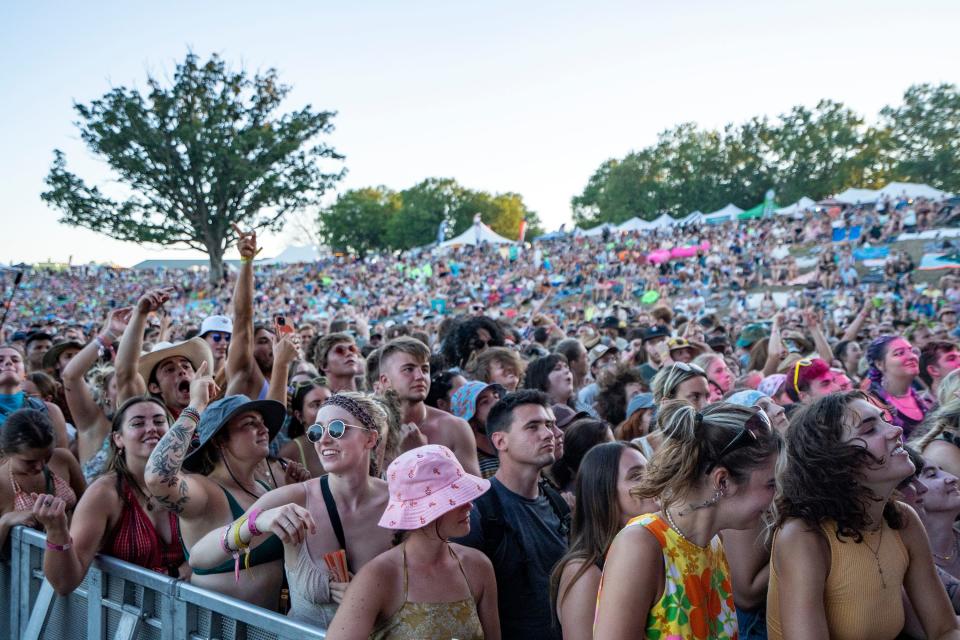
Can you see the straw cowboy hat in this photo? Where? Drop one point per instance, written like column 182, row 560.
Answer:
column 196, row 350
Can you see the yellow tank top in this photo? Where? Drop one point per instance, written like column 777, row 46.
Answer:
column 697, row 601
column 857, row 605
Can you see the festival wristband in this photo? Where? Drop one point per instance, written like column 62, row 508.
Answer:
column 191, row 413
column 252, row 524
column 223, row 540
column 52, row 546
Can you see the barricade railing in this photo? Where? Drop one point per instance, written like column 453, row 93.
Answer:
column 124, row 601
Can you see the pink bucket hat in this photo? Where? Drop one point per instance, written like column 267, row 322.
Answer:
column 424, row 484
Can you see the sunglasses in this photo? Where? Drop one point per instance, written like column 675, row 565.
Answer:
column 303, row 384
column 344, row 349
column 746, row 437
column 336, row 428
column 218, row 337
column 805, row 362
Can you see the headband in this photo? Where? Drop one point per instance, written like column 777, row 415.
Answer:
column 353, row 407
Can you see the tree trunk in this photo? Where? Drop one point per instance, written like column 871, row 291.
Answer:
column 215, row 253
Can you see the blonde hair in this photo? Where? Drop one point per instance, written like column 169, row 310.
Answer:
column 949, row 388
column 945, row 419
column 377, row 411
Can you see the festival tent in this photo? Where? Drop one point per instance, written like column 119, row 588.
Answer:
column 633, row 224
column 598, row 230
column 796, row 208
column 857, row 196
column 663, row 221
column 474, row 235
column 295, row 254
column 755, row 212
column 911, row 190
column 693, row 218
column 722, row 215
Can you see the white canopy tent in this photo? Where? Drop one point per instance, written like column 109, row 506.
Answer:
column 476, row 234
column 633, row 224
column 295, row 254
column 857, row 196
column 692, row 218
column 598, row 230
column 911, row 190
column 663, row 221
column 796, row 208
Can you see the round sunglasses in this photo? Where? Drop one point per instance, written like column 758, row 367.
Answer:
column 336, row 428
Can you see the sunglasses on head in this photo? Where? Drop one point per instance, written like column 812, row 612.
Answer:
column 302, row 384
column 336, row 428
column 686, row 367
column 744, row 438
column 217, row 337
column 805, row 362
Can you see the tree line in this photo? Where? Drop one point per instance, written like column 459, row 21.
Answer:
column 804, row 152
column 378, row 219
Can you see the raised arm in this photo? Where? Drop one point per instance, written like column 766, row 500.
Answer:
column 243, row 374
column 819, row 340
column 129, row 381
column 775, row 352
column 59, row 425
column 853, row 330
column 280, row 512
column 71, row 550
column 181, row 492
column 286, row 349
column 87, row 416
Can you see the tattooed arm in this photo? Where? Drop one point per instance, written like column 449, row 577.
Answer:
column 177, row 491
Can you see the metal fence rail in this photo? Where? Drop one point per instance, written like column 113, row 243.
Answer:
column 122, row 601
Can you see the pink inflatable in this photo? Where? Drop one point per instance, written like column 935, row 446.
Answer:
column 658, row 256
column 663, row 255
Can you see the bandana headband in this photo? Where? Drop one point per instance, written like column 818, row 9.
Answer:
column 353, row 407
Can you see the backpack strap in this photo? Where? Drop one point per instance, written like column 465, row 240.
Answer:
column 492, row 524
column 560, row 508
column 332, row 512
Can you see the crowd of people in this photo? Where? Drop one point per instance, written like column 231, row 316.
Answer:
column 567, row 441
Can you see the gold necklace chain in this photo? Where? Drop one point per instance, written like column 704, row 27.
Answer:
column 673, row 525
column 949, row 557
column 876, row 556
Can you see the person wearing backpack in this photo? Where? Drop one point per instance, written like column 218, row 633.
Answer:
column 522, row 523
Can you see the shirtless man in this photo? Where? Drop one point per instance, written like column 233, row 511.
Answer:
column 405, row 368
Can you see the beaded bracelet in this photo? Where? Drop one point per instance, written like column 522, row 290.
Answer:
column 252, row 523
column 52, row 546
column 191, row 413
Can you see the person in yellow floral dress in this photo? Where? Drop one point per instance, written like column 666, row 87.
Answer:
column 666, row 576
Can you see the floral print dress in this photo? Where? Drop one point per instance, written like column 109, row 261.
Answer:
column 697, row 597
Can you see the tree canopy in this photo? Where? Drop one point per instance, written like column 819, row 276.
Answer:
column 376, row 219
column 209, row 150
column 804, row 152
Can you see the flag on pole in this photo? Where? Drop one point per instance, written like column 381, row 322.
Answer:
column 523, row 231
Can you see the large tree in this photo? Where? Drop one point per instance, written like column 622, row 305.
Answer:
column 356, row 222
column 206, row 152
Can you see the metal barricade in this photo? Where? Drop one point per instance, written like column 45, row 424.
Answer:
column 119, row 600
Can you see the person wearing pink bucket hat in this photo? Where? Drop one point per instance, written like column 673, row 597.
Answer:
column 452, row 593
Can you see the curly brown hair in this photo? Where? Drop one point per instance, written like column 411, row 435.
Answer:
column 821, row 479
column 611, row 402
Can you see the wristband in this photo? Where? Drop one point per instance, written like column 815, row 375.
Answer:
column 252, row 523
column 223, row 540
column 191, row 413
column 59, row 547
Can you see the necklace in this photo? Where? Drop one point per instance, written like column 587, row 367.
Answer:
column 876, row 556
column 673, row 525
column 146, row 494
column 948, row 557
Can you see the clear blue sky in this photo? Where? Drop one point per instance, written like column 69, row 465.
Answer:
column 504, row 96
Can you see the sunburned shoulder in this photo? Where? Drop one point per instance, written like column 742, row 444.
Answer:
column 103, row 491
column 469, row 556
column 438, row 417
column 796, row 534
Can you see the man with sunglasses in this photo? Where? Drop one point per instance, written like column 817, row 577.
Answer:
column 809, row 379
column 338, row 359
column 404, row 365
column 217, row 331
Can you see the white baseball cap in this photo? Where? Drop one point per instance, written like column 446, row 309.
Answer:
column 216, row 323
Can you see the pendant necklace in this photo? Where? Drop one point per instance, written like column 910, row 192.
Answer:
column 876, row 556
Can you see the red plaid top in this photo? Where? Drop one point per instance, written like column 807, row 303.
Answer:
column 135, row 539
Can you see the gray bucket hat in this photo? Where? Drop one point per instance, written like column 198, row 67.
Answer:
column 218, row 413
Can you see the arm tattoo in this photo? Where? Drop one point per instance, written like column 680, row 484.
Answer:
column 166, row 461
